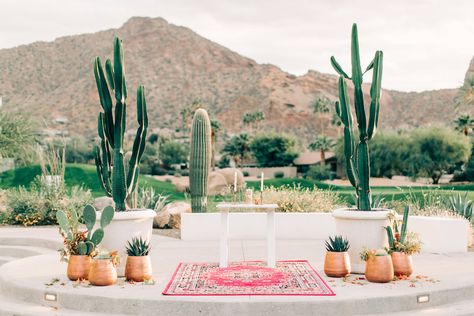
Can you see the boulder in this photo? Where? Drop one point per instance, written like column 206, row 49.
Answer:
column 101, row 202
column 170, row 215
column 216, row 183
column 229, row 173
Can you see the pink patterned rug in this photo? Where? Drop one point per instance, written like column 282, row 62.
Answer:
column 247, row 278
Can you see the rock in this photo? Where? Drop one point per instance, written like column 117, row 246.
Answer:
column 216, row 183
column 229, row 173
column 101, row 202
column 182, row 186
column 170, row 215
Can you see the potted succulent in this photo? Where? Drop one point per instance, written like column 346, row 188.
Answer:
column 362, row 225
column 103, row 271
column 138, row 266
column 80, row 245
column 402, row 245
column 337, row 263
column 119, row 175
column 378, row 265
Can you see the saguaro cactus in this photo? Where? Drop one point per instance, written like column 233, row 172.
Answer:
column 200, row 160
column 116, row 180
column 357, row 156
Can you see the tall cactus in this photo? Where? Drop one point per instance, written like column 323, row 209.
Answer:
column 200, row 160
column 116, row 180
column 357, row 156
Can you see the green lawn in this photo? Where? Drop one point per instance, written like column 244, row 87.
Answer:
column 389, row 193
column 83, row 175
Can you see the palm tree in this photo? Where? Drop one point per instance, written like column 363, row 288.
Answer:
column 323, row 144
column 238, row 147
column 464, row 124
column 215, row 128
column 254, row 119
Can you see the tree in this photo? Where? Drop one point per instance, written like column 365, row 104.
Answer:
column 464, row 124
column 17, row 137
column 238, row 147
column 254, row 119
column 435, row 152
column 273, row 150
column 215, row 128
column 172, row 152
column 323, row 144
column 320, row 104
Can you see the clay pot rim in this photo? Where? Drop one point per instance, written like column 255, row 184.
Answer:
column 337, row 252
column 80, row 256
column 128, row 256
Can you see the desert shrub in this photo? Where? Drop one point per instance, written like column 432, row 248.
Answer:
column 273, row 150
column 279, row 174
column 185, row 173
column 37, row 206
column 148, row 198
column 298, row 199
column 172, row 152
column 224, row 162
column 245, row 173
column 319, row 172
column 171, row 172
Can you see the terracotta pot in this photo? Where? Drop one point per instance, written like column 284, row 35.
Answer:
column 402, row 264
column 337, row 264
column 102, row 272
column 138, row 269
column 379, row 269
column 78, row 267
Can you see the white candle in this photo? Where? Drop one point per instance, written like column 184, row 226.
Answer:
column 235, row 181
column 261, row 182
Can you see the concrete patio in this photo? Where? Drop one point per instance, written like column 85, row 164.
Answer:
column 447, row 279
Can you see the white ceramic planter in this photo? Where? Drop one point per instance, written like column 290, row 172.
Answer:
column 362, row 229
column 125, row 226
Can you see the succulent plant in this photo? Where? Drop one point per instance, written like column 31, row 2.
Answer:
column 460, row 204
column 76, row 241
column 337, row 244
column 399, row 239
column 357, row 156
column 138, row 247
column 200, row 160
column 116, row 180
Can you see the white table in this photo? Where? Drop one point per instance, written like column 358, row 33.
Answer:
column 224, row 209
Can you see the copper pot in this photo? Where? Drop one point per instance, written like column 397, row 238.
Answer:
column 138, row 268
column 103, row 272
column 402, row 264
column 379, row 269
column 337, row 264
column 78, row 267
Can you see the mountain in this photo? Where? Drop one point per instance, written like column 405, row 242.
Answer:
column 54, row 83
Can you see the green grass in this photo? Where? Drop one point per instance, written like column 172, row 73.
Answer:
column 389, row 193
column 83, row 175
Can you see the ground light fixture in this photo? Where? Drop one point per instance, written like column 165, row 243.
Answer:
column 50, row 297
column 423, row 298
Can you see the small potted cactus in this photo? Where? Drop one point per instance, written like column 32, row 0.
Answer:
column 378, row 265
column 138, row 266
column 402, row 245
column 364, row 224
column 80, row 245
column 103, row 271
column 118, row 172
column 337, row 263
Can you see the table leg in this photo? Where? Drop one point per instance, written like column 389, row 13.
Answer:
column 271, row 239
column 224, row 247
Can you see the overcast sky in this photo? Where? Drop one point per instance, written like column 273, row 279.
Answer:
column 427, row 44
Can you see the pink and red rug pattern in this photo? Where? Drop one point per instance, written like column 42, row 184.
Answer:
column 247, row 278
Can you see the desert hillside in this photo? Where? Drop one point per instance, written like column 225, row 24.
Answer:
column 53, row 81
